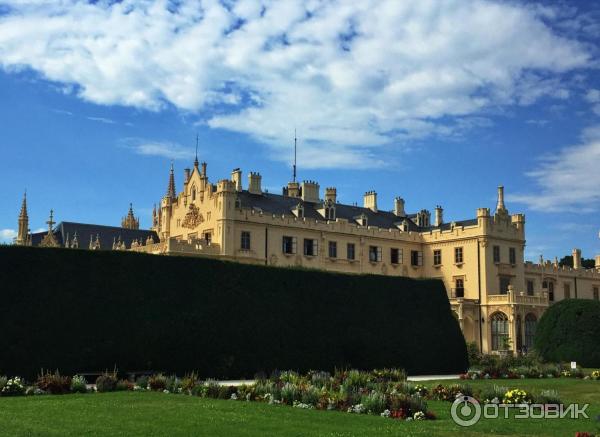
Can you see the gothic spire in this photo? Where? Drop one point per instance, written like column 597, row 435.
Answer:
column 23, row 213
column 23, row 231
column 171, row 193
column 129, row 221
column 196, row 160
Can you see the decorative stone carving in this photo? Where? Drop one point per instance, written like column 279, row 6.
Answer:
column 192, row 218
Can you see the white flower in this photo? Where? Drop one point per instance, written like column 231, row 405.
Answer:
column 233, row 397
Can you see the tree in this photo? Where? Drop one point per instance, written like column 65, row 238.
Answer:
column 567, row 261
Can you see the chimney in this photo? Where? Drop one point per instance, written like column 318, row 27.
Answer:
column 331, row 194
column 576, row 259
column 236, row 178
column 310, row 191
column 439, row 216
column 293, row 189
column 500, row 205
column 186, row 175
column 370, row 200
column 203, row 173
column 399, row 207
column 254, row 182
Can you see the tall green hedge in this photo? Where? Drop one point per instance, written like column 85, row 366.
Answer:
column 79, row 310
column 570, row 331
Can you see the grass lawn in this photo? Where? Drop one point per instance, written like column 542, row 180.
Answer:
column 147, row 414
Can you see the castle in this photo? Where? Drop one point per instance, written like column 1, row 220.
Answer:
column 495, row 295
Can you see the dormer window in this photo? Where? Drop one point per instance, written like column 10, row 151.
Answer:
column 298, row 210
column 329, row 210
column 362, row 220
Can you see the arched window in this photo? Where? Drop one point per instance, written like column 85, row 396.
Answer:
column 499, row 322
column 193, row 194
column 530, row 324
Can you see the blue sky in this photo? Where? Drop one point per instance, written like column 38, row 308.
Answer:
column 437, row 102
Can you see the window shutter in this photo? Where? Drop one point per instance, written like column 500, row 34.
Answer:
column 400, row 257
column 294, row 244
column 378, row 253
column 315, row 247
column 420, row 258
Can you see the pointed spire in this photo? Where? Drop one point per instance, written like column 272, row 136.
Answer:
column 23, row 213
column 23, row 221
column 75, row 242
column 196, row 160
column 171, row 188
column 295, row 145
column 51, row 221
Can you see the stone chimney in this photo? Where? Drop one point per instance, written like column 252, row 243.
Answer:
column 500, row 205
column 439, row 216
column 331, row 194
column 399, row 207
column 310, row 191
column 577, row 259
column 236, row 178
column 186, row 175
column 293, row 189
column 203, row 172
column 370, row 200
column 254, row 183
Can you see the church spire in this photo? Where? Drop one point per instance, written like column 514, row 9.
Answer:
column 23, row 231
column 171, row 193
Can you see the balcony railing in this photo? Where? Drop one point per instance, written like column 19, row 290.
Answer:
column 514, row 297
column 457, row 293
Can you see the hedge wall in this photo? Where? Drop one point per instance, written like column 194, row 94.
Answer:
column 570, row 331
column 79, row 310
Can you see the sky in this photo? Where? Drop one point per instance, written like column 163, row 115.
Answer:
column 438, row 102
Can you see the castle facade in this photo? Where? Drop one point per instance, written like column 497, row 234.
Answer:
column 495, row 295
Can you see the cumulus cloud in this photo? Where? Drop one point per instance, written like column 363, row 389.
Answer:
column 165, row 149
column 351, row 76
column 568, row 180
column 7, row 235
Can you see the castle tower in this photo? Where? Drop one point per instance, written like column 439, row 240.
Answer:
column 23, row 232
column 130, row 221
column 500, row 207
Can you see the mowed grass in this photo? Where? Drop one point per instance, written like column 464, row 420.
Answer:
column 158, row 414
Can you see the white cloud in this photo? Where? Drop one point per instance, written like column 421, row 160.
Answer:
column 165, row 149
column 7, row 235
column 569, row 179
column 102, row 120
column 351, row 76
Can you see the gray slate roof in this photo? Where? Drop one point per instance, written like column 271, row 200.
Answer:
column 279, row 204
column 107, row 234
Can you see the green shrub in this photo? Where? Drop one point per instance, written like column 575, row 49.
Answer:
column 290, row 393
column 142, row 382
column 54, row 383
column 13, row 387
column 492, row 394
column 78, row 384
column 189, row 381
column 3, row 380
column 548, row 397
column 157, row 382
column 310, row 395
column 213, row 389
column 374, row 402
column 473, row 353
column 124, row 385
column 270, row 305
column 570, row 331
column 106, row 382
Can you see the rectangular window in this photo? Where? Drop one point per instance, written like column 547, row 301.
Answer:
column 245, row 240
column 459, row 287
column 289, row 245
column 567, row 288
column 395, row 256
column 458, row 255
column 350, row 251
column 496, row 254
column 512, row 255
column 207, row 238
column 504, row 283
column 530, row 287
column 332, row 249
column 437, row 257
column 374, row 253
column 310, row 247
column 596, row 296
column 416, row 258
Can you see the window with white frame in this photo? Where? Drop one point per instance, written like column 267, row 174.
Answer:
column 289, row 245
column 245, row 240
column 310, row 247
column 374, row 253
column 437, row 257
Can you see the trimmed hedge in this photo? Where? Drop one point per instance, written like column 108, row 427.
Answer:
column 79, row 310
column 570, row 331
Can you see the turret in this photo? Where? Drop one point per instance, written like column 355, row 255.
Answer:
column 171, row 193
column 370, row 200
column 293, row 189
column 23, row 230
column 399, row 207
column 254, row 183
column 500, row 205
column 130, row 221
column 331, row 194
column 236, row 178
column 577, row 259
column 439, row 216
